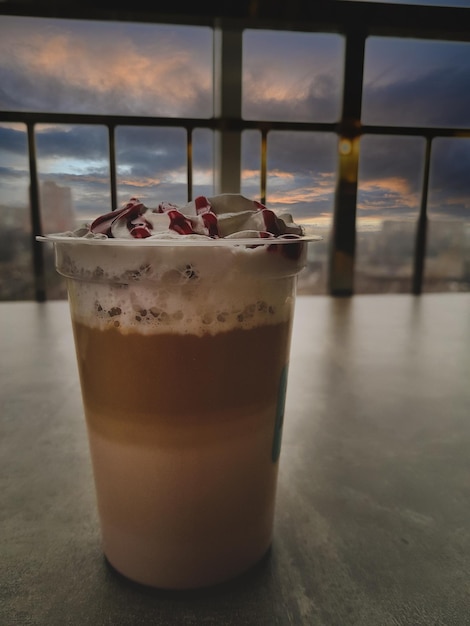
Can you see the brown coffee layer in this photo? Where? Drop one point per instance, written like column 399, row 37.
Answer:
column 152, row 388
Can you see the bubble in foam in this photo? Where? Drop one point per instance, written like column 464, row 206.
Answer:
column 207, row 318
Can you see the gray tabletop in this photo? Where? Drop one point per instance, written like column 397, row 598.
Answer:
column 373, row 511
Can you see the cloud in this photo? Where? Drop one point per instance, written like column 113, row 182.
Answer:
column 424, row 94
column 140, row 152
column 387, row 197
column 147, row 151
column 114, row 71
column 318, row 101
column 393, row 157
column 391, row 177
column 76, row 141
column 449, row 193
column 392, row 186
column 303, row 198
column 8, row 172
column 301, row 172
column 292, row 76
column 13, row 139
column 301, row 195
column 301, row 152
column 450, row 166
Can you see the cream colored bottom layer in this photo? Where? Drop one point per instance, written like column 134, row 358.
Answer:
column 190, row 517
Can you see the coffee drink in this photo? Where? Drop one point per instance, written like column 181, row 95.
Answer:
column 183, row 351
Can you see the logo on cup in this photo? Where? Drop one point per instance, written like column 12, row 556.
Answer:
column 278, row 424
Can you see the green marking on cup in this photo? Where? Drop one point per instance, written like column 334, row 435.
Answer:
column 278, row 424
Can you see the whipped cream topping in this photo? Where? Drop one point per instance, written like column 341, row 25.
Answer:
column 228, row 216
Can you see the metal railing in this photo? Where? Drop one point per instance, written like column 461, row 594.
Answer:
column 355, row 21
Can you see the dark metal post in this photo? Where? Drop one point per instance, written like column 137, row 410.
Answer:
column 422, row 226
column 112, row 166
column 343, row 238
column 189, row 162
column 37, row 247
column 227, row 106
column 264, row 165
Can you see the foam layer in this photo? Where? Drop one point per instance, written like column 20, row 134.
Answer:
column 178, row 289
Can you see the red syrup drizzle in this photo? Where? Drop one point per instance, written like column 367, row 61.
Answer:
column 205, row 222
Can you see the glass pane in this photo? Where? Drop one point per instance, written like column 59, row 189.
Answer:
column 251, row 164
column 73, row 176
column 16, row 263
column 111, row 68
column 292, row 76
column 151, row 164
column 203, row 162
column 302, row 171
column 73, row 172
column 416, row 83
column 389, row 197
column 447, row 265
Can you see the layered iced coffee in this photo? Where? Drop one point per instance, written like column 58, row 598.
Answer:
column 182, row 320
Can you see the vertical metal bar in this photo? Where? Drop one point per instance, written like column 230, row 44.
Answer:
column 264, row 166
column 343, row 239
column 112, row 166
column 37, row 247
column 227, row 106
column 422, row 226
column 189, row 162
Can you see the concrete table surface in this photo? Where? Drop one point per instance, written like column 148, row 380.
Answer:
column 373, row 509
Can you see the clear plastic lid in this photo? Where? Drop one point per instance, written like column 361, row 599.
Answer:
column 177, row 241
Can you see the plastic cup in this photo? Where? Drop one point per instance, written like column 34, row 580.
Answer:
column 183, row 351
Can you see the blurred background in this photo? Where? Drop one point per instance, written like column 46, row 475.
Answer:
column 352, row 116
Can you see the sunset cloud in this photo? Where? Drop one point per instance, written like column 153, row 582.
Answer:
column 83, row 71
column 299, row 195
column 395, row 185
column 387, row 196
column 280, row 84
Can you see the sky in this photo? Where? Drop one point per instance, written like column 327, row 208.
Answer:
column 165, row 70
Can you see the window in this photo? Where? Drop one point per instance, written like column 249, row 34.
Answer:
column 119, row 109
column 409, row 82
column 448, row 241
column 16, row 264
column 90, row 68
column 295, row 77
column 389, row 198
